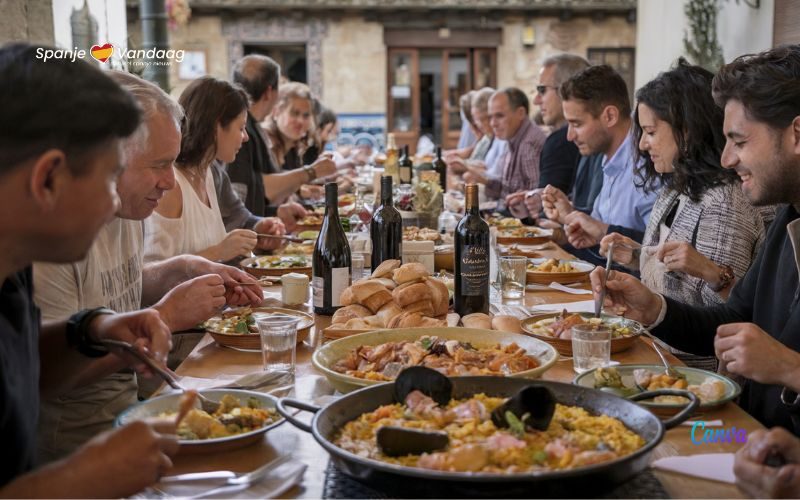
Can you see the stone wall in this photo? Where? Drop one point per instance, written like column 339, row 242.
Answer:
column 26, row 20
column 202, row 33
column 354, row 67
column 518, row 66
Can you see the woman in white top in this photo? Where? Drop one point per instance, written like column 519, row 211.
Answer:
column 187, row 219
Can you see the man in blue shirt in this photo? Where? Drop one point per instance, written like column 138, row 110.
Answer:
column 597, row 110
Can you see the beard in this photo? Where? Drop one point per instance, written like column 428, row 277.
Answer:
column 781, row 182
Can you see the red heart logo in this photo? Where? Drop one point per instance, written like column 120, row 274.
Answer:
column 102, row 52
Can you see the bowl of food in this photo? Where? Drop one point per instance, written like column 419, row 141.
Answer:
column 502, row 222
column 414, row 233
column 444, row 258
column 311, row 222
column 556, row 329
column 713, row 389
column 484, row 436
column 277, row 265
column 454, row 351
column 523, row 235
column 237, row 327
column 242, row 419
column 545, row 271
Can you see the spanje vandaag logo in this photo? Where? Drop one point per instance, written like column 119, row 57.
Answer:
column 104, row 53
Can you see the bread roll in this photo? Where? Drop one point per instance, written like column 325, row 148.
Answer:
column 433, row 323
column 416, row 292
column 356, row 324
column 409, row 272
column 386, row 268
column 347, row 296
column 387, row 282
column 389, row 311
column 375, row 301
column 423, row 307
column 477, row 320
column 345, row 314
column 362, row 290
column 505, row 323
column 439, row 296
column 374, row 321
column 407, row 320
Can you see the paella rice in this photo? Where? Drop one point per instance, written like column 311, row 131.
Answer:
column 573, row 438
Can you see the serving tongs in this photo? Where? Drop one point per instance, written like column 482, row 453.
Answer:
column 207, row 405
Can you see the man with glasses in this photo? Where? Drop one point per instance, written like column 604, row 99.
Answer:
column 559, row 156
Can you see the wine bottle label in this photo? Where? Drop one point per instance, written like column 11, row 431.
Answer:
column 318, row 287
column 340, row 279
column 474, row 270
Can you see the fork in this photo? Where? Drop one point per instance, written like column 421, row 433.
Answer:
column 243, row 481
column 208, row 405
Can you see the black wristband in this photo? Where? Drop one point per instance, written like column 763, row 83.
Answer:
column 78, row 332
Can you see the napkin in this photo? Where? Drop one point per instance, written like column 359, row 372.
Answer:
column 574, row 291
column 714, row 466
column 582, row 306
column 272, row 485
column 708, row 423
column 258, row 381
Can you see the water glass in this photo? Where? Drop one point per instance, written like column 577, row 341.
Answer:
column 512, row 276
column 357, row 266
column 278, row 342
column 591, row 347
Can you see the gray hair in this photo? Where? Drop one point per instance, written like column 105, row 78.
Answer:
column 256, row 73
column 567, row 66
column 152, row 101
column 480, row 99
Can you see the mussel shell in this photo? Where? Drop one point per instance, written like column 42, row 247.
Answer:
column 537, row 401
column 400, row 441
column 426, row 380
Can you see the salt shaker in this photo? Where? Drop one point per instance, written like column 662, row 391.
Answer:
column 294, row 289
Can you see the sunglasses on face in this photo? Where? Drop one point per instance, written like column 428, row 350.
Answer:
column 542, row 89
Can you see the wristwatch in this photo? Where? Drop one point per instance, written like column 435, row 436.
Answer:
column 78, row 332
column 726, row 277
column 790, row 399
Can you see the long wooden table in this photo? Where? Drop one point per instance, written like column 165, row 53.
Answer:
column 209, row 360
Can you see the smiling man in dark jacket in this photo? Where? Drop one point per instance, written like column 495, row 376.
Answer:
column 756, row 334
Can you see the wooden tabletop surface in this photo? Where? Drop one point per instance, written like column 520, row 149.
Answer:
column 209, row 360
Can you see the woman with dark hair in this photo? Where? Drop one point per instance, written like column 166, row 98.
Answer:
column 318, row 137
column 703, row 233
column 187, row 220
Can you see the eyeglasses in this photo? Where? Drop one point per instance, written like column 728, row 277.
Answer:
column 542, row 89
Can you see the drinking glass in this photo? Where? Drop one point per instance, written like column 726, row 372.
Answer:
column 357, row 266
column 512, row 276
column 591, row 347
column 278, row 342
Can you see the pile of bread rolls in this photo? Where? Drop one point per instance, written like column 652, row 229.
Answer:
column 395, row 296
column 406, row 296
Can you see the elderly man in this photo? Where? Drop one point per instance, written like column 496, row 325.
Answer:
column 597, row 109
column 113, row 275
column 508, row 117
column 559, row 155
column 756, row 333
column 60, row 131
column 254, row 174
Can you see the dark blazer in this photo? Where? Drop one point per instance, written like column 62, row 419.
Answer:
column 245, row 172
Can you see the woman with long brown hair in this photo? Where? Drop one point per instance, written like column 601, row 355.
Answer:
column 188, row 218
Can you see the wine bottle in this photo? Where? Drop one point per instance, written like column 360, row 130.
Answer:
column 406, row 166
column 441, row 168
column 331, row 259
column 391, row 165
column 386, row 229
column 471, row 292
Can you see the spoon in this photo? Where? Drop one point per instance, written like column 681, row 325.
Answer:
column 668, row 369
column 598, row 305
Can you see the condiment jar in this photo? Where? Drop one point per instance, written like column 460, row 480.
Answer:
column 294, row 289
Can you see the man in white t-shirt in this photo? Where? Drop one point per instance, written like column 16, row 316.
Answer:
column 113, row 275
